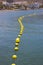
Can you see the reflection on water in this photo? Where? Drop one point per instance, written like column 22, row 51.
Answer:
column 31, row 45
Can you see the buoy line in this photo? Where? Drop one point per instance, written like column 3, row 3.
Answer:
column 21, row 25
column 17, row 41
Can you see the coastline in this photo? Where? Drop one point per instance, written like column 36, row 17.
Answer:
column 19, row 10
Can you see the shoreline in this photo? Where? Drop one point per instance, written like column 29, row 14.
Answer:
column 19, row 10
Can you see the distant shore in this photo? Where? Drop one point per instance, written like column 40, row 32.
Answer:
column 19, row 10
column 14, row 10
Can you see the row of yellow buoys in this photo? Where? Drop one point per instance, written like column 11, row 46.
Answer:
column 18, row 38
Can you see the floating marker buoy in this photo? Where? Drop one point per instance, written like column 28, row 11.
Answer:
column 16, row 44
column 21, row 32
column 19, row 35
column 17, row 40
column 20, row 18
column 13, row 64
column 16, row 48
column 14, row 56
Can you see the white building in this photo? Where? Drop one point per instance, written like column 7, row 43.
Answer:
column 5, row 3
column 20, row 2
column 36, row 4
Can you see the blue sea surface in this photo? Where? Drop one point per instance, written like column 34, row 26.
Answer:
column 31, row 45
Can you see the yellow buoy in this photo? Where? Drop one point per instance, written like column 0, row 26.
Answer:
column 20, row 18
column 16, row 48
column 21, row 32
column 14, row 56
column 17, row 40
column 19, row 35
column 13, row 64
column 16, row 44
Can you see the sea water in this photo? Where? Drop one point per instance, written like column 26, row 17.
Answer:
column 31, row 45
